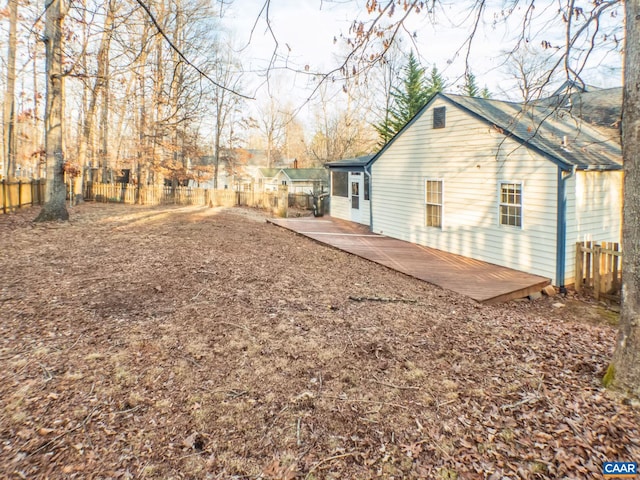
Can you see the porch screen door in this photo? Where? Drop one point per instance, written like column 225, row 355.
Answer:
column 355, row 195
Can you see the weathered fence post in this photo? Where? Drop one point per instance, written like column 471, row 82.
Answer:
column 283, row 201
column 578, row 276
column 597, row 251
column 616, row 261
column 34, row 192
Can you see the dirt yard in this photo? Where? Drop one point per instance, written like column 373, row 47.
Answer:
column 196, row 343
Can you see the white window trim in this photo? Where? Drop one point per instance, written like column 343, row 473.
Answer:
column 424, row 197
column 515, row 182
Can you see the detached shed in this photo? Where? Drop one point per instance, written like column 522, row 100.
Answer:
column 510, row 184
column 350, row 189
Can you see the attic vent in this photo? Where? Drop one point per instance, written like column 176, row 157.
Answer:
column 439, row 117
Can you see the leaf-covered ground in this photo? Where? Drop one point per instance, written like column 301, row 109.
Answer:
column 164, row 343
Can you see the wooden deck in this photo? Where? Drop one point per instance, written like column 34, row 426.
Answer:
column 483, row 282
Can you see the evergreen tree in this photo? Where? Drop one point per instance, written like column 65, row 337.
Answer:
column 415, row 93
column 470, row 87
column 435, row 82
column 384, row 129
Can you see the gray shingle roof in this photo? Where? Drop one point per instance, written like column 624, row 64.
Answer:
column 351, row 162
column 599, row 107
column 544, row 127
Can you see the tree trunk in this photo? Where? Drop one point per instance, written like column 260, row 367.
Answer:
column 220, row 105
column 55, row 194
column 625, row 370
column 177, row 86
column 154, row 140
column 87, row 143
column 37, row 135
column 104, row 124
column 143, row 137
column 10, row 97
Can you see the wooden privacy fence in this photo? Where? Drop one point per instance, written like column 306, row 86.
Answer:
column 599, row 268
column 161, row 195
column 18, row 194
column 146, row 195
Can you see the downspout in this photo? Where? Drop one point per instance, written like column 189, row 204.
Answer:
column 368, row 174
column 561, row 241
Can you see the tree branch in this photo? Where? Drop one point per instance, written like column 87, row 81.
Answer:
column 185, row 59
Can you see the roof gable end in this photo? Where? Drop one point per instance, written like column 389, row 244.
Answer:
column 544, row 134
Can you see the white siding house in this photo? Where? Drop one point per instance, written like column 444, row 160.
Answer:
column 266, row 179
column 298, row 180
column 497, row 182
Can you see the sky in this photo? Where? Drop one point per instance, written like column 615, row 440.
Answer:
column 305, row 31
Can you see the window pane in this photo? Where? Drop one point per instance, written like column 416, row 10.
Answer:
column 510, row 215
column 340, row 184
column 434, row 216
column 366, row 187
column 434, row 191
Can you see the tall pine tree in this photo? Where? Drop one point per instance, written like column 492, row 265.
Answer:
column 415, row 93
column 471, row 88
column 435, row 82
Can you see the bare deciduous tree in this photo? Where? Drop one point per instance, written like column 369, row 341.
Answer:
column 55, row 206
column 271, row 123
column 9, row 99
column 86, row 152
column 529, row 68
column 225, row 104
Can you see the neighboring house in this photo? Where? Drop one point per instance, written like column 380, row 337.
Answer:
column 496, row 181
column 350, row 188
column 225, row 180
column 265, row 179
column 299, row 180
column 304, row 180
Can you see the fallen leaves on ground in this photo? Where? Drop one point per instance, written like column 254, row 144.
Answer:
column 167, row 342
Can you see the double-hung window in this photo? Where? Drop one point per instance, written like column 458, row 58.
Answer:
column 511, row 204
column 433, row 190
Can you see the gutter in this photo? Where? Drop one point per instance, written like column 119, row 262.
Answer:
column 561, row 228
